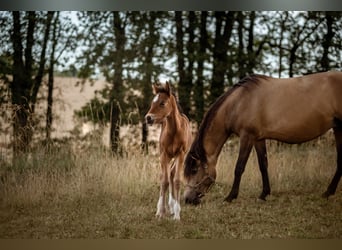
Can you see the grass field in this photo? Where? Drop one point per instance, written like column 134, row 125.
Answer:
column 65, row 192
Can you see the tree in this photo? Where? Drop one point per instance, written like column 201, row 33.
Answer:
column 108, row 48
column 26, row 39
column 223, row 30
column 25, row 86
column 301, row 28
column 183, row 92
column 201, row 57
column 130, row 67
column 147, row 48
column 116, row 94
column 185, row 54
column 284, row 18
column 332, row 25
column 51, row 79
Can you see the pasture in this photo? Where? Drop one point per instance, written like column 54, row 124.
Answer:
column 67, row 192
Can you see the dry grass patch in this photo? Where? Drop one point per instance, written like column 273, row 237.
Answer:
column 64, row 193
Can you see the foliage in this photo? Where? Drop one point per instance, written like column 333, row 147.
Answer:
column 29, row 51
column 201, row 52
column 273, row 43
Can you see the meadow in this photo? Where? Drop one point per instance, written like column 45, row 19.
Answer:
column 64, row 191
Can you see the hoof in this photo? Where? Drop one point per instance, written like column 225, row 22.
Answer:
column 326, row 195
column 262, row 197
column 176, row 218
column 229, row 199
column 160, row 215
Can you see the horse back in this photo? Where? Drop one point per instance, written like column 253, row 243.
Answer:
column 292, row 110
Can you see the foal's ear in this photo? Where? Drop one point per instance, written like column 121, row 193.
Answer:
column 155, row 88
column 168, row 88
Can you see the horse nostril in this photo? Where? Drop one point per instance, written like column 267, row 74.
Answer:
column 149, row 119
column 192, row 201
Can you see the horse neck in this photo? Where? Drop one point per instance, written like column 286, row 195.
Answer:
column 173, row 121
column 213, row 144
column 215, row 135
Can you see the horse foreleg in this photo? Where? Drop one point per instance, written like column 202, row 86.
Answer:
column 171, row 189
column 246, row 145
column 334, row 182
column 260, row 148
column 176, row 186
column 164, row 184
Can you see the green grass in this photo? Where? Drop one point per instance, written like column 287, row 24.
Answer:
column 72, row 193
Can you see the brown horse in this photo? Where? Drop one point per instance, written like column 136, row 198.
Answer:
column 174, row 142
column 293, row 110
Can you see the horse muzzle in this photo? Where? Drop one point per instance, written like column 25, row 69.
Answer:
column 149, row 119
column 193, row 197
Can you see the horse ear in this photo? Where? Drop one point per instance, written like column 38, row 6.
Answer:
column 154, row 88
column 168, row 87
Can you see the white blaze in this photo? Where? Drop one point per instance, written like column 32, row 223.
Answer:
column 155, row 99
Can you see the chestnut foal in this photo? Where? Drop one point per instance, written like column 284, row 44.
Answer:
column 174, row 142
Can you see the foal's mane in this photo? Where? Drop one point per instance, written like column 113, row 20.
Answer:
column 197, row 151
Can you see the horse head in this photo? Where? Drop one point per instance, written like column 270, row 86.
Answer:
column 199, row 178
column 161, row 105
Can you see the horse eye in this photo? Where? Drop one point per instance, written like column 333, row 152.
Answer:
column 194, row 171
column 162, row 104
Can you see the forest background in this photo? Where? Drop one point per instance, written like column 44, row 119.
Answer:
column 201, row 53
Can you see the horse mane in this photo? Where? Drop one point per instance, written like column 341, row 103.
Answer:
column 179, row 107
column 197, row 151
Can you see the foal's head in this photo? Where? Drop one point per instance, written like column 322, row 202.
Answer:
column 162, row 103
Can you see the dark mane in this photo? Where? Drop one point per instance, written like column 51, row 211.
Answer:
column 197, row 151
column 251, row 80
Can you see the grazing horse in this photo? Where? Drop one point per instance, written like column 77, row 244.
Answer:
column 292, row 110
column 174, row 143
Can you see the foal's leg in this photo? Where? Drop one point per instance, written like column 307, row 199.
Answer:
column 334, row 182
column 171, row 187
column 260, row 148
column 164, row 184
column 177, row 185
column 246, row 145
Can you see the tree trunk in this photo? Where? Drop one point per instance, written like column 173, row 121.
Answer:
column 241, row 54
column 51, row 81
column 251, row 54
column 280, row 45
column 20, row 87
column 183, row 93
column 39, row 77
column 147, row 93
column 328, row 37
column 185, row 88
column 116, row 93
column 24, row 88
column 221, row 45
column 199, row 91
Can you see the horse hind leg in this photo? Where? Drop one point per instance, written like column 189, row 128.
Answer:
column 334, row 182
column 261, row 151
